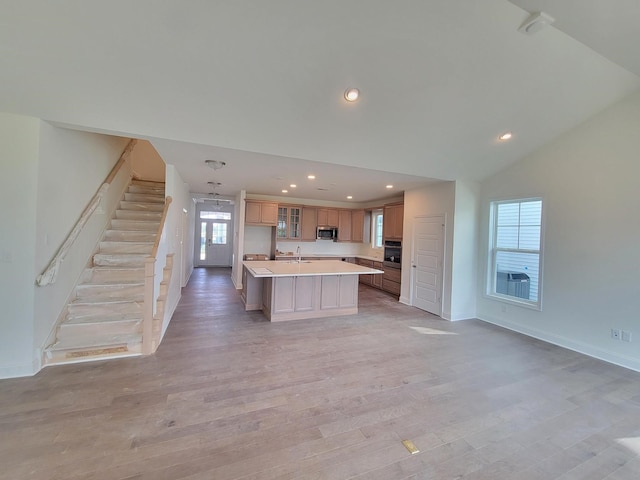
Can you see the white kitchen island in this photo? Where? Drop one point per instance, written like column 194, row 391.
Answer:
column 291, row 290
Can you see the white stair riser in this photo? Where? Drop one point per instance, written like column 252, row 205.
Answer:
column 138, row 215
column 125, row 247
column 129, row 236
column 105, row 275
column 139, row 197
column 83, row 332
column 133, row 225
column 146, row 187
column 133, row 292
column 107, row 260
column 141, row 206
column 131, row 340
column 78, row 310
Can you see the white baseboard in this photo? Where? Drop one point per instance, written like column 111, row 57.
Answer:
column 586, row 349
column 462, row 316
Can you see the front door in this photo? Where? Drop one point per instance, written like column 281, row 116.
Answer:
column 214, row 228
column 426, row 263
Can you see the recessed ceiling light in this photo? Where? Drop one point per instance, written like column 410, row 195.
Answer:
column 389, row 186
column 285, row 191
column 311, row 177
column 505, row 136
column 293, row 185
column 351, row 94
column 349, row 197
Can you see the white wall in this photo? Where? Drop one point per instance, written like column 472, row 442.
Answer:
column 18, row 192
column 588, row 180
column 465, row 251
column 72, row 167
column 176, row 239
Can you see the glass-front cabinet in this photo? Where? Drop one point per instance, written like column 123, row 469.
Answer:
column 289, row 222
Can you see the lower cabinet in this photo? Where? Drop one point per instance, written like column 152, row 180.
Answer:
column 392, row 276
column 391, row 280
column 339, row 291
column 293, row 298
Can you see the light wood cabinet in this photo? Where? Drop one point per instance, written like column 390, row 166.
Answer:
column 309, row 224
column 366, row 279
column 261, row 213
column 392, row 283
column 328, row 217
column 393, row 217
column 357, row 226
column 289, row 222
column 344, row 225
column 376, row 280
column 391, row 280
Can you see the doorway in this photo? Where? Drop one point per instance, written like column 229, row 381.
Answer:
column 213, row 236
column 426, row 261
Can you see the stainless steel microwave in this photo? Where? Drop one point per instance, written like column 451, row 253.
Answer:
column 327, row 233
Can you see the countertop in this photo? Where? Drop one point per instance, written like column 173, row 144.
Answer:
column 320, row 256
column 279, row 268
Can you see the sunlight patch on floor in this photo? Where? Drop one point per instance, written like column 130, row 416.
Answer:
column 632, row 443
column 431, row 331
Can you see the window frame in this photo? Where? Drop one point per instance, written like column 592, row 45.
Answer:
column 375, row 227
column 492, row 252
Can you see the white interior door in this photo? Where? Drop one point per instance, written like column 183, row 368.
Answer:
column 426, row 263
column 214, row 245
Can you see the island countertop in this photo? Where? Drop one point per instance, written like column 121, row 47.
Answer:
column 274, row 268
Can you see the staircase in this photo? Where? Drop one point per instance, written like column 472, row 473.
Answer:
column 104, row 319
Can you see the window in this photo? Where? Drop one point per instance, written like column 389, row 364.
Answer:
column 219, row 234
column 215, row 215
column 516, row 251
column 376, row 229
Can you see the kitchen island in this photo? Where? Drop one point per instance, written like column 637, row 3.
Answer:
column 292, row 290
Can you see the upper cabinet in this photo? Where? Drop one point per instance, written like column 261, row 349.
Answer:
column 327, row 217
column 344, row 225
column 261, row 213
column 392, row 221
column 309, row 224
column 357, row 226
column 289, row 223
column 300, row 222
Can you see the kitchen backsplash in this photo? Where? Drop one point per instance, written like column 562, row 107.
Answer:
column 329, row 248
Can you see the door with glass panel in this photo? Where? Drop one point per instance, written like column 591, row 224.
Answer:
column 214, row 228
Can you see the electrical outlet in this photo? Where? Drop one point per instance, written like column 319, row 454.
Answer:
column 615, row 333
column 626, row 336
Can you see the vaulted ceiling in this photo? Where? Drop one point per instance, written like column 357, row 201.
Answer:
column 259, row 84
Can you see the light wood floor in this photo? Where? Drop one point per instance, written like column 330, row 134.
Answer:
column 229, row 395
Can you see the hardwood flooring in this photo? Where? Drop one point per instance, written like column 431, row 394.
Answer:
column 229, row 395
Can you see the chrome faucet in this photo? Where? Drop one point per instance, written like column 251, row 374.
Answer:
column 298, row 253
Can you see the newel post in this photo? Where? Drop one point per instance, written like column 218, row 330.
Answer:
column 147, row 321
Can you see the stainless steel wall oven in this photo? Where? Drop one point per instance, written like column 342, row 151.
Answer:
column 392, row 253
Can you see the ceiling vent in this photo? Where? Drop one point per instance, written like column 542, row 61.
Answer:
column 536, row 22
